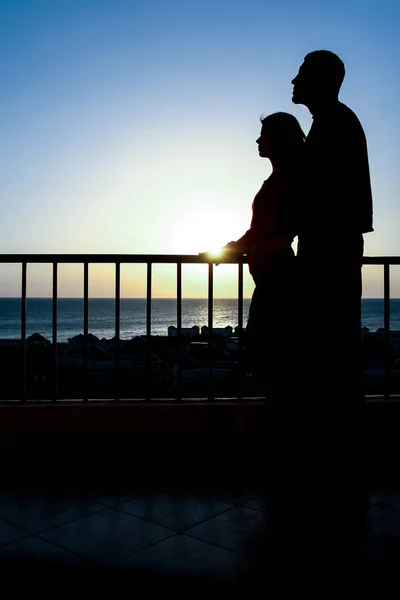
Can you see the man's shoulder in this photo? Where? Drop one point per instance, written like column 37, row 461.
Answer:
column 339, row 123
column 347, row 116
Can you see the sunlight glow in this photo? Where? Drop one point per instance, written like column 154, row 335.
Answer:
column 216, row 252
column 206, row 229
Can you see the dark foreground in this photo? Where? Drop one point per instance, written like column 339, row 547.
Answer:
column 170, row 512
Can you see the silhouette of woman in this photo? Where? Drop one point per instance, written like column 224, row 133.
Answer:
column 268, row 246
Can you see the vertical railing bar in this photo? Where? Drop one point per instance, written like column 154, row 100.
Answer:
column 85, row 327
column 55, row 319
column 117, row 329
column 386, row 319
column 23, row 331
column 240, row 328
column 179, row 331
column 148, row 330
column 211, row 395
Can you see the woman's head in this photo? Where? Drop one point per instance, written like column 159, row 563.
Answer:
column 281, row 136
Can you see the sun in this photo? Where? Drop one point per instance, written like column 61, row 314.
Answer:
column 216, row 252
column 206, row 229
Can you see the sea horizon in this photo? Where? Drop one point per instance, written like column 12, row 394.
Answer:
column 133, row 315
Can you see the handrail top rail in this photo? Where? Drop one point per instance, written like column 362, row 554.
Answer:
column 153, row 258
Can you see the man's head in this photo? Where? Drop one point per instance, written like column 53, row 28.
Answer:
column 319, row 78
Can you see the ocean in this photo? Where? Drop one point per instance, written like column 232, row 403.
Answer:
column 133, row 316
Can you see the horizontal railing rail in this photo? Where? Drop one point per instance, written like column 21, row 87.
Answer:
column 153, row 258
column 149, row 260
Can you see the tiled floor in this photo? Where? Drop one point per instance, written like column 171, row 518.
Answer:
column 145, row 514
column 185, row 533
column 158, row 535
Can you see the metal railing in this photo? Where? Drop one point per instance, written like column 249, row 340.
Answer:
column 149, row 260
column 386, row 261
column 117, row 260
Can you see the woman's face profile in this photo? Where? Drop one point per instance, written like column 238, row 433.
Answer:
column 265, row 144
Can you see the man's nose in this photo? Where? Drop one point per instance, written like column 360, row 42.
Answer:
column 258, row 140
column 293, row 80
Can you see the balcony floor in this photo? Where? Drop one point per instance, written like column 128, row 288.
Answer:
column 100, row 517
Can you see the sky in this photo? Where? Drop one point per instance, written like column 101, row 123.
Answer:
column 130, row 127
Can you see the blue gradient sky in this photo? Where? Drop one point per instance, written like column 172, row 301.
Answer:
column 130, row 126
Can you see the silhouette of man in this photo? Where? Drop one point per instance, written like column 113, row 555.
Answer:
column 336, row 211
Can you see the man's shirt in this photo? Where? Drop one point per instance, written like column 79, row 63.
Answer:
column 337, row 199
